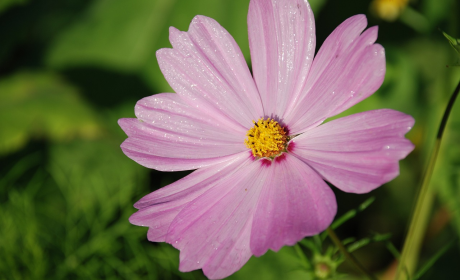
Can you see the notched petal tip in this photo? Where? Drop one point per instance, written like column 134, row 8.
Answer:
column 376, row 27
column 161, row 55
column 126, row 124
column 411, row 122
column 199, row 19
column 370, row 35
column 129, row 125
column 173, row 32
column 138, row 219
column 379, row 50
column 141, row 203
column 122, row 122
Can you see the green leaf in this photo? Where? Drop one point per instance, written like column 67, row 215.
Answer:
column 365, row 241
column 454, row 42
column 396, row 254
column 117, row 34
column 36, row 105
column 306, row 263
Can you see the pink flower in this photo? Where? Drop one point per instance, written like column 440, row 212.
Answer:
column 258, row 188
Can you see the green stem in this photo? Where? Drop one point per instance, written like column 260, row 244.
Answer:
column 348, row 255
column 414, row 238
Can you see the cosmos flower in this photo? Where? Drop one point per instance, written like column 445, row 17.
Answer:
column 258, row 145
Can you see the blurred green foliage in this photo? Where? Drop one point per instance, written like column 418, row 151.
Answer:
column 42, row 105
column 111, row 34
column 5, row 4
column 69, row 69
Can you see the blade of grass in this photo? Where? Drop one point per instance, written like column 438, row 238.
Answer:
column 302, row 256
column 393, row 250
column 348, row 215
column 365, row 241
column 414, row 238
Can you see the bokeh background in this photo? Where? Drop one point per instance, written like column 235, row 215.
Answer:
column 69, row 69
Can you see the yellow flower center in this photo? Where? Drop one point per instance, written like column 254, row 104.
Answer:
column 267, row 139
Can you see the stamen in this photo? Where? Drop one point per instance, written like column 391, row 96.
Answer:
column 267, row 139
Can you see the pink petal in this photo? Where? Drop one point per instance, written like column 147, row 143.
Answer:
column 348, row 68
column 158, row 209
column 207, row 69
column 294, row 204
column 213, row 231
column 357, row 153
column 282, row 43
column 169, row 135
column 168, row 111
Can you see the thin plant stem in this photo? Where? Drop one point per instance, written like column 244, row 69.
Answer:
column 414, row 238
column 302, row 256
column 348, row 255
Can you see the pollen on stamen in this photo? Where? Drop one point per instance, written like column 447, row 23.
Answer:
column 266, row 139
